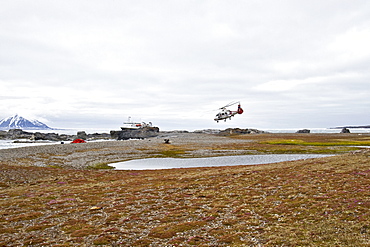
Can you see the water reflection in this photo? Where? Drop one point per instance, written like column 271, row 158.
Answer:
column 169, row 163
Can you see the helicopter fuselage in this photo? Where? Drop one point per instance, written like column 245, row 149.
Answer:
column 225, row 114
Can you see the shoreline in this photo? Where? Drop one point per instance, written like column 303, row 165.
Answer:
column 97, row 154
column 90, row 154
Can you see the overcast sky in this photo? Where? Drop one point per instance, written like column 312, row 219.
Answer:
column 92, row 64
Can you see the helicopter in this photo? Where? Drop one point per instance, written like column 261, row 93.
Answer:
column 225, row 113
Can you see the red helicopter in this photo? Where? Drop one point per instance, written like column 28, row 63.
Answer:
column 225, row 113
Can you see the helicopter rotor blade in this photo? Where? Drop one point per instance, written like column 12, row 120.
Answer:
column 231, row 103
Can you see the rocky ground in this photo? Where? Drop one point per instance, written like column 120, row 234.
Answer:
column 49, row 197
column 19, row 134
column 96, row 153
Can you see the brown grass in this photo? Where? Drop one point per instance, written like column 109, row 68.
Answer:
column 315, row 202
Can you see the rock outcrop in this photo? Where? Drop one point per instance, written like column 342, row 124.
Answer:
column 37, row 136
column 237, row 131
column 81, row 135
column 345, row 130
column 141, row 133
column 208, row 131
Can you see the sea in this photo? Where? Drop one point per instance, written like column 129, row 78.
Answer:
column 320, row 130
column 5, row 144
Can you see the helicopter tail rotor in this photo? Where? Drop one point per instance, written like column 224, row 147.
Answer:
column 240, row 110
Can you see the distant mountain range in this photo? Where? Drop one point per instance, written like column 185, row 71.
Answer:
column 18, row 122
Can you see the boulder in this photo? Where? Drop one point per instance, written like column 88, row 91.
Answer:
column 52, row 137
column 37, row 136
column 98, row 136
column 45, row 136
column 141, row 133
column 304, row 131
column 18, row 134
column 3, row 134
column 345, row 130
column 64, row 137
column 81, row 135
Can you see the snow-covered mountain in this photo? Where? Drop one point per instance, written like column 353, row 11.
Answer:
column 18, row 122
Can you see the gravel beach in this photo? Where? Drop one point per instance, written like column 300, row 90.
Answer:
column 83, row 155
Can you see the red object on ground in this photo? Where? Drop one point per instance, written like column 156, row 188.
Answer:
column 78, row 141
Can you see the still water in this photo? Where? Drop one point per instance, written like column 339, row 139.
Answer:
column 169, row 163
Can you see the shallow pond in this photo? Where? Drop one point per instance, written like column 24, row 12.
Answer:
column 169, row 163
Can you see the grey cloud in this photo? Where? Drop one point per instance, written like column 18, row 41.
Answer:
column 290, row 63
